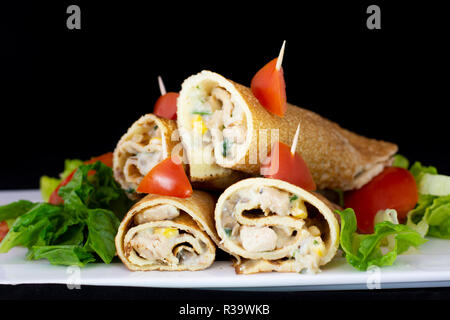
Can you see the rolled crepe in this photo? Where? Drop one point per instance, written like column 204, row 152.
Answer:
column 223, row 126
column 168, row 233
column 272, row 225
column 147, row 142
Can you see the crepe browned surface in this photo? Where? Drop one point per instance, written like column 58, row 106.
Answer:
column 336, row 157
column 245, row 263
column 196, row 218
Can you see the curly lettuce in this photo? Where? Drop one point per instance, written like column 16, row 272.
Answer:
column 431, row 216
column 365, row 250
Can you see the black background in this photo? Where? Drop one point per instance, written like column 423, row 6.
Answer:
column 73, row 93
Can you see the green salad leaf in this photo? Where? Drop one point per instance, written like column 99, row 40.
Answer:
column 15, row 209
column 400, row 161
column 48, row 184
column 431, row 216
column 80, row 231
column 69, row 255
column 365, row 250
column 418, row 171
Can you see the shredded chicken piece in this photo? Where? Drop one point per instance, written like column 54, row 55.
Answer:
column 273, row 200
column 157, row 213
column 151, row 246
column 258, row 239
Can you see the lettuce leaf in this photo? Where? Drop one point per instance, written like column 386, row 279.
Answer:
column 400, row 161
column 80, row 231
column 365, row 250
column 15, row 209
column 48, row 184
column 431, row 216
column 417, row 170
column 69, row 255
column 69, row 166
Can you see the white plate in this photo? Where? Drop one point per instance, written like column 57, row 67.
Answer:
column 429, row 267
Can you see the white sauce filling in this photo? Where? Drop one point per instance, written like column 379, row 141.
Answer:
column 217, row 124
column 263, row 232
column 152, row 244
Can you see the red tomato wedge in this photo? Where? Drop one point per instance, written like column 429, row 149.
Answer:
column 284, row 165
column 394, row 188
column 3, row 229
column 269, row 88
column 106, row 158
column 166, row 106
column 167, row 178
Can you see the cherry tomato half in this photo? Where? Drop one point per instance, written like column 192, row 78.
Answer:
column 284, row 165
column 167, row 178
column 394, row 188
column 269, row 88
column 166, row 106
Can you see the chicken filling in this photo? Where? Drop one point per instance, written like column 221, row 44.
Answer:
column 217, row 124
column 141, row 153
column 161, row 243
column 268, row 223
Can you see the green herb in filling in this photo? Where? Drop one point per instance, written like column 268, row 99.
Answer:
column 202, row 113
column 226, row 147
column 227, row 231
column 293, row 198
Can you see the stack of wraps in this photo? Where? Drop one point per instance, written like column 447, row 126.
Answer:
column 226, row 135
column 225, row 129
column 168, row 234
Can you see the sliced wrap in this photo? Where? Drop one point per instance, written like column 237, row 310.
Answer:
column 223, row 126
column 272, row 225
column 147, row 142
column 168, row 233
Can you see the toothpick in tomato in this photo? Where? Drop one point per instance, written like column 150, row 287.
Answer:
column 285, row 164
column 166, row 105
column 394, row 188
column 269, row 87
column 167, row 178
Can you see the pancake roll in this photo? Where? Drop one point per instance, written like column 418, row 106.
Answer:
column 147, row 142
column 223, row 127
column 168, row 234
column 272, row 225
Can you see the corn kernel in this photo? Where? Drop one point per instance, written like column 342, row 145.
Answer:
column 199, row 125
column 319, row 252
column 167, row 232
column 299, row 210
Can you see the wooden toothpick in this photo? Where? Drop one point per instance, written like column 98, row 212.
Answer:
column 161, row 86
column 280, row 57
column 294, row 142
